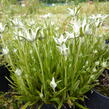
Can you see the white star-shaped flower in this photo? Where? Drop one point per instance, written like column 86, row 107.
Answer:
column 18, row 72
column 70, row 35
column 63, row 49
column 61, row 40
column 104, row 64
column 2, row 27
column 46, row 15
column 5, row 51
column 30, row 35
column 53, row 84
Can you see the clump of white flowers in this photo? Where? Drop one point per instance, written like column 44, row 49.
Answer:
column 99, row 16
column 86, row 25
column 17, row 22
column 61, row 44
column 82, row 27
column 98, row 19
column 28, row 34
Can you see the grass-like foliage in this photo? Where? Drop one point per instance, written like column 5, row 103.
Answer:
column 54, row 66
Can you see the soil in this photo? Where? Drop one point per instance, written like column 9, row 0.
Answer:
column 4, row 83
column 103, row 86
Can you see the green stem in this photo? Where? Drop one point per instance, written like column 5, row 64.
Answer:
column 76, row 60
column 34, row 45
column 65, row 80
column 25, row 58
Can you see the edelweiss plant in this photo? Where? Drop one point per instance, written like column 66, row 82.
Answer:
column 51, row 67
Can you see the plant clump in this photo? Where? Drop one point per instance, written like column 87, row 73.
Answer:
column 54, row 66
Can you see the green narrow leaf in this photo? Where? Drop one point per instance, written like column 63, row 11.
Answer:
column 26, row 105
column 80, row 106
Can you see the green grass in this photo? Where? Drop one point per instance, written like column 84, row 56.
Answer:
column 59, row 11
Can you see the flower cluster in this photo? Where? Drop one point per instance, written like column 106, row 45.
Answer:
column 23, row 32
column 86, row 25
column 98, row 19
column 61, row 44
